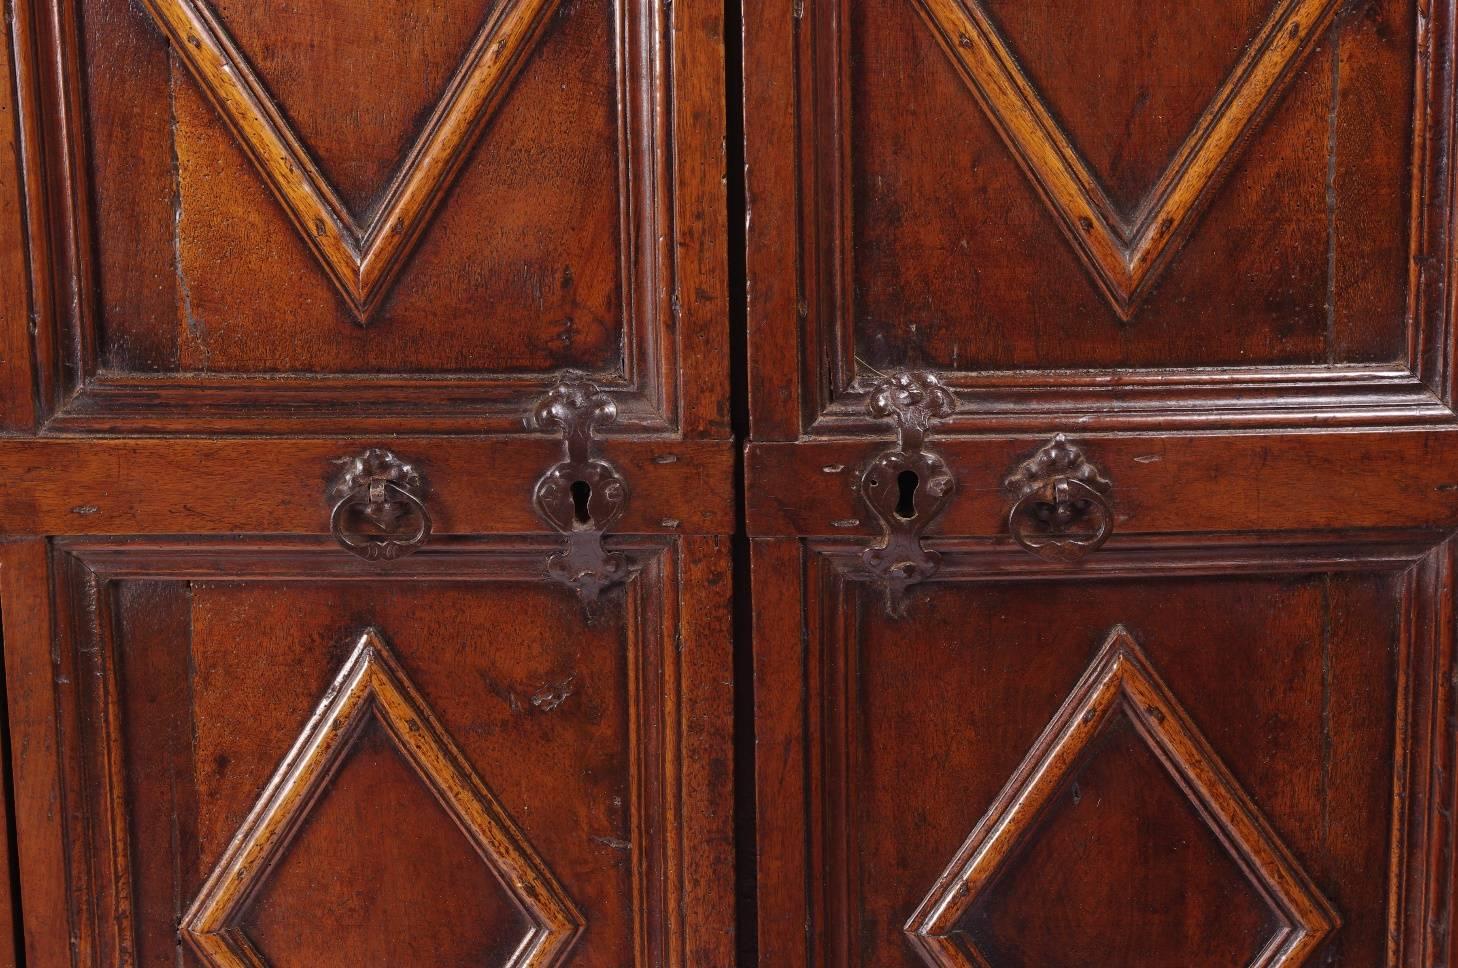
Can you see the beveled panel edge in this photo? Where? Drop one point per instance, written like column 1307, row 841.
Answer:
column 1423, row 877
column 360, row 258
column 322, row 404
column 509, row 558
column 372, row 685
column 19, row 390
column 1125, row 255
column 1243, row 398
column 979, row 561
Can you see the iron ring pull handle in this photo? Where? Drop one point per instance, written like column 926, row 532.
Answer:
column 1061, row 510
column 384, row 491
column 1058, row 508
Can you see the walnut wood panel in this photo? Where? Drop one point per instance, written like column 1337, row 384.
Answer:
column 1239, row 765
column 242, row 242
column 1209, row 245
column 1103, row 213
column 306, row 764
column 235, row 486
column 433, row 211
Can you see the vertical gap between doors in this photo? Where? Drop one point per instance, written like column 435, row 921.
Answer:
column 745, row 880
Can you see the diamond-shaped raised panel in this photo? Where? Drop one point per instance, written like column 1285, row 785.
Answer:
column 323, row 62
column 362, row 251
column 1121, row 764
column 369, row 741
column 1127, row 115
column 1120, row 836
column 326, row 901
column 1123, row 241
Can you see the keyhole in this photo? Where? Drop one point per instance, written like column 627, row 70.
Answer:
column 581, row 494
column 907, row 482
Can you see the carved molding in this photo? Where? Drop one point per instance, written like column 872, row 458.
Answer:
column 361, row 258
column 372, row 684
column 1122, row 681
column 1125, row 253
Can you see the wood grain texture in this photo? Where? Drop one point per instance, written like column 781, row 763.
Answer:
column 707, row 585
column 603, row 742
column 548, row 263
column 1211, row 243
column 1130, row 124
column 11, row 920
column 597, row 152
column 18, row 401
column 775, row 299
column 362, row 257
column 39, row 808
column 1303, row 295
column 230, row 226
column 1163, row 484
column 372, row 690
column 367, row 892
column 1120, row 685
column 320, row 62
column 1422, row 880
column 914, row 725
column 1125, row 253
column 482, row 486
column 787, row 927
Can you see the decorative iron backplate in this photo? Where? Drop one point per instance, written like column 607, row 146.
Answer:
column 908, row 487
column 583, row 494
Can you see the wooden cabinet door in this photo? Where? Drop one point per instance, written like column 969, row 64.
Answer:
column 1137, row 648
column 247, row 249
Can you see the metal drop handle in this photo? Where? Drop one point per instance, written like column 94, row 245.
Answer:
column 1061, row 509
column 378, row 509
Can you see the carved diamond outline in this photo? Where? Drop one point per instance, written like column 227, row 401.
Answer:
column 372, row 684
column 1122, row 680
column 362, row 259
column 1124, row 254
